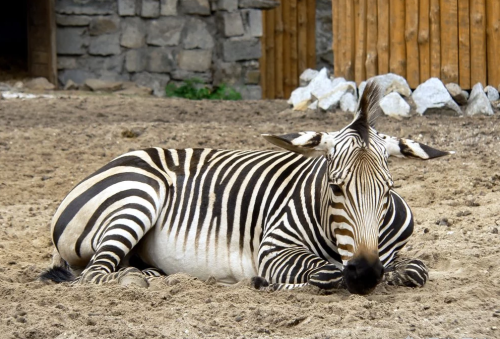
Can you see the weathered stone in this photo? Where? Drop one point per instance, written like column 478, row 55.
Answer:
column 127, row 7
column 180, row 74
column 5, row 87
column 113, row 76
column 155, row 81
column 136, row 90
column 108, row 44
column 71, row 41
column 392, row 83
column 92, row 7
column 39, row 84
column 77, row 75
column 250, row 92
column 165, row 31
column 196, row 60
column 133, row 33
column 73, row 20
column 306, row 76
column 104, row 25
column 197, row 35
column 478, row 102
column 260, row 4
column 200, row 7
column 395, row 106
column 348, row 103
column 237, row 49
column 103, row 86
column 457, row 94
column 71, row 86
column 301, row 97
column 332, row 98
column 168, row 7
column 227, row 72
column 233, row 25
column 161, row 60
column 252, row 77
column 433, row 97
column 150, row 8
column 491, row 93
column 227, row 5
column 98, row 64
column 136, row 60
column 66, row 62
column 254, row 22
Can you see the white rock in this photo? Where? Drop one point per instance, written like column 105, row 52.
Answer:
column 39, row 84
column 332, row 98
column 478, row 102
column 393, row 105
column 457, row 93
column 307, row 76
column 299, row 96
column 433, row 97
column 313, row 106
column 348, row 102
column 491, row 93
column 321, row 85
column 392, row 83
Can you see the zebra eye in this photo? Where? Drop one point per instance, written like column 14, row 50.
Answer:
column 335, row 188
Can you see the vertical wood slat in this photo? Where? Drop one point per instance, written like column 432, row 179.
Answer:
column 411, row 36
column 424, row 40
column 478, row 41
column 449, row 41
column 383, row 36
column 341, row 41
column 302, row 35
column 493, row 41
column 349, row 40
column 435, row 39
column 287, row 62
column 397, row 58
column 360, row 41
column 270, row 55
column 371, row 39
column 263, row 58
column 278, row 37
column 336, row 37
column 294, row 53
column 311, row 34
column 463, row 44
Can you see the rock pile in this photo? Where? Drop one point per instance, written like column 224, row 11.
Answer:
column 320, row 91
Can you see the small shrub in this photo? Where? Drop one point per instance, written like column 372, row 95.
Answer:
column 194, row 89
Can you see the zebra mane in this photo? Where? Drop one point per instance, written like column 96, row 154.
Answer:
column 368, row 111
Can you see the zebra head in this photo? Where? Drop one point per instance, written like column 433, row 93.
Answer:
column 358, row 185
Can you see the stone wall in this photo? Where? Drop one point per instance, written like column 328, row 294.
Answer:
column 154, row 42
column 324, row 34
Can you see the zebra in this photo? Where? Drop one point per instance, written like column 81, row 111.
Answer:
column 322, row 213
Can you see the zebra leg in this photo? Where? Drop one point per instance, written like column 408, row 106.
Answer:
column 406, row 272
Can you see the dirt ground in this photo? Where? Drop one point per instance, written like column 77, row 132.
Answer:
column 48, row 145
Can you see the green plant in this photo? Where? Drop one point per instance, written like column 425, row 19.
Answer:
column 194, row 89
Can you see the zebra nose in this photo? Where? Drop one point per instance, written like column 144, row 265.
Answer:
column 362, row 275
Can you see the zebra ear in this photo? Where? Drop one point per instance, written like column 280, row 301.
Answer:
column 408, row 148
column 309, row 144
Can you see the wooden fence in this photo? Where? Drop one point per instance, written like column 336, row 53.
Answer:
column 455, row 40
column 288, row 46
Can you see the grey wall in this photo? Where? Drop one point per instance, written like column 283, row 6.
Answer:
column 324, row 33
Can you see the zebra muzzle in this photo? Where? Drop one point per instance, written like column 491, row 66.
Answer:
column 362, row 275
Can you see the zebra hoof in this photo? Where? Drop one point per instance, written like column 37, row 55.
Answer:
column 259, row 282
column 134, row 280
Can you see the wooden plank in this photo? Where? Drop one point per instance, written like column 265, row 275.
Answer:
column 424, row 41
column 349, row 41
column 435, row 39
column 449, row 41
column 383, row 36
column 302, row 34
column 493, row 41
column 341, row 40
column 270, row 55
column 397, row 58
column 287, row 64
column 411, row 36
column 263, row 59
column 464, row 44
column 360, row 41
column 294, row 53
column 311, row 34
column 336, row 37
column 478, row 41
column 371, row 39
column 278, row 61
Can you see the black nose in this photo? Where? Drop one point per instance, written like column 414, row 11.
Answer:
column 362, row 275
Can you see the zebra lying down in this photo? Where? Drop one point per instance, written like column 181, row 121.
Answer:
column 324, row 213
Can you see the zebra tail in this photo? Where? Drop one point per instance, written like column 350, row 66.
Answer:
column 57, row 274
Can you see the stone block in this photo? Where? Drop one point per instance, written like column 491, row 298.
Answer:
column 91, row 7
column 157, row 82
column 168, row 7
column 196, row 60
column 233, row 24
column 241, row 49
column 127, row 7
column 252, row 77
column 39, row 84
column 98, row 64
column 259, row 4
column 197, row 35
column 250, row 92
column 66, row 62
column 200, row 7
column 103, row 85
column 136, row 60
column 104, row 25
column 227, row 5
column 150, row 8
column 114, row 76
column 161, row 60
column 133, row 33
column 227, row 73
column 108, row 44
column 254, row 22
column 165, row 31
column 77, row 75
column 73, row 20
column 180, row 74
column 71, row 41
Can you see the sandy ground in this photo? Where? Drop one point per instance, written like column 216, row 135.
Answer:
column 49, row 145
